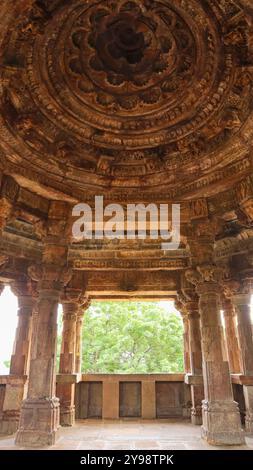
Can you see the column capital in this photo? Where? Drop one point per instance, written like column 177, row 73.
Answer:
column 239, row 291
column 179, row 305
column 50, row 276
column 206, row 277
column 188, row 290
column 21, row 287
column 74, row 291
column 228, row 307
column 57, row 227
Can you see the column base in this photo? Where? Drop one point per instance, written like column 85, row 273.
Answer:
column 197, row 394
column 9, row 422
column 187, row 411
column 249, row 424
column 67, row 416
column 221, row 423
column 39, row 422
column 196, row 416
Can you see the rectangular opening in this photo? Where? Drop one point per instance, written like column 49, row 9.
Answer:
column 169, row 399
column 89, row 400
column 130, row 399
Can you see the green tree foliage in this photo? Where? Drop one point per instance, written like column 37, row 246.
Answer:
column 7, row 364
column 131, row 337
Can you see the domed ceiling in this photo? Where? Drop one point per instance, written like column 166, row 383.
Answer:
column 127, row 95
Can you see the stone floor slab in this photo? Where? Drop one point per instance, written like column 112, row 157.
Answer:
column 130, row 435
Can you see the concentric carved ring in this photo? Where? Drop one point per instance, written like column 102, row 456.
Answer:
column 126, row 94
column 155, row 59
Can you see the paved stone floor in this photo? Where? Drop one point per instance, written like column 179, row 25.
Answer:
column 130, row 435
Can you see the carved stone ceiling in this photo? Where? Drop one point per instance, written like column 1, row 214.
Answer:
column 120, row 95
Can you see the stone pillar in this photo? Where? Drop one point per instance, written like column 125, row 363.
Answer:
column 241, row 301
column 15, row 388
column 221, row 418
column 181, row 309
column 197, row 389
column 20, row 357
column 72, row 299
column 39, row 420
column 79, row 326
column 179, row 305
column 66, row 391
column 231, row 337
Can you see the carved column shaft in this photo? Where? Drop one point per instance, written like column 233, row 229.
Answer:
column 187, row 364
column 197, row 389
column 20, row 357
column 68, row 345
column 66, row 391
column 242, row 301
column 71, row 300
column 79, row 340
column 231, row 337
column 15, row 387
column 39, row 419
column 43, row 363
column 242, row 304
column 195, row 339
column 221, row 418
column 79, row 325
column 211, row 331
